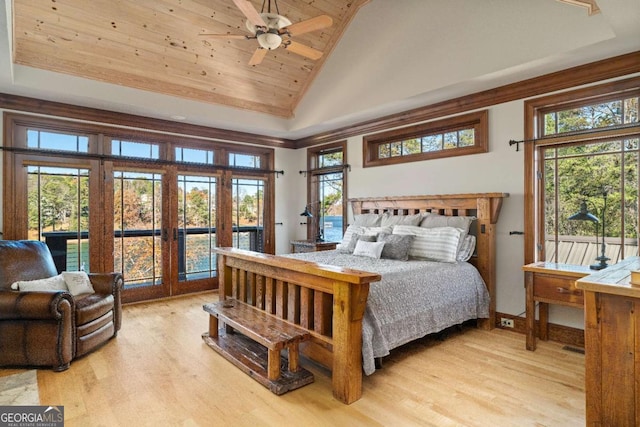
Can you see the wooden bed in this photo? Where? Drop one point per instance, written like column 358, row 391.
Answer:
column 330, row 301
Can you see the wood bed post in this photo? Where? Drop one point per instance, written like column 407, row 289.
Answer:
column 349, row 302
column 224, row 277
column 486, row 242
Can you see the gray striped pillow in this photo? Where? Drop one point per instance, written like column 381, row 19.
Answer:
column 434, row 244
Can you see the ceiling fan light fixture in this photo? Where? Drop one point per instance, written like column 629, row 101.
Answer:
column 269, row 40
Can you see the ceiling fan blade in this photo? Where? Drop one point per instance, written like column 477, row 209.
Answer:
column 313, row 24
column 258, row 56
column 304, row 50
column 250, row 12
column 224, row 36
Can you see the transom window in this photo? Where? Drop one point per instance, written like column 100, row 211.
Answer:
column 142, row 150
column 45, row 140
column 244, row 160
column 194, row 155
column 594, row 116
column 466, row 134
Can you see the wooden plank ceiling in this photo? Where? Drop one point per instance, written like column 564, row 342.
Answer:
column 155, row 45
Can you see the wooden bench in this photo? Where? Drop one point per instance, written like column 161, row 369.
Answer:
column 264, row 363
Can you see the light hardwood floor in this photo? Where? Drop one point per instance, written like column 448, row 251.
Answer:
column 159, row 372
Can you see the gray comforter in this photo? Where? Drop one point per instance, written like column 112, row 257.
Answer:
column 413, row 299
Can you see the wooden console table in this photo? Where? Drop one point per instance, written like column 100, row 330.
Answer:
column 549, row 283
column 612, row 332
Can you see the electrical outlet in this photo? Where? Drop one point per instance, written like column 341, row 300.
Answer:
column 506, row 323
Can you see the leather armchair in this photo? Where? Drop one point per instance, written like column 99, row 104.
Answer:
column 51, row 328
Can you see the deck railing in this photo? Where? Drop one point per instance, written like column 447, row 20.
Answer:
column 66, row 256
column 579, row 250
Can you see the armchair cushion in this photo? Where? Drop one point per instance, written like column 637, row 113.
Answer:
column 55, row 283
column 78, row 282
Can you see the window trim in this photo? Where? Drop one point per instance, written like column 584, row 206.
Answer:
column 536, row 108
column 312, row 182
column 478, row 120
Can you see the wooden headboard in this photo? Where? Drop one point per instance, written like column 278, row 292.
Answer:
column 484, row 206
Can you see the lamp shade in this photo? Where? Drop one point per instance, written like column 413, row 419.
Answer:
column 583, row 214
column 269, row 40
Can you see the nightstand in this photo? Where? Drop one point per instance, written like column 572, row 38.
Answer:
column 298, row 246
column 550, row 283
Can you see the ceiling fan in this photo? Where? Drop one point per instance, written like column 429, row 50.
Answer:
column 273, row 30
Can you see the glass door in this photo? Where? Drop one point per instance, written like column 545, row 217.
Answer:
column 196, row 232
column 247, row 212
column 141, row 233
column 58, row 213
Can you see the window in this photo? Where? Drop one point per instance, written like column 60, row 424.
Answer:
column 58, row 213
column 456, row 136
column 192, row 155
column 137, row 225
column 587, row 157
column 196, row 226
column 327, row 196
column 248, row 213
column 244, row 160
column 140, row 150
column 57, row 141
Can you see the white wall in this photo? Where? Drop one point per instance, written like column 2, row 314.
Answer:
column 291, row 197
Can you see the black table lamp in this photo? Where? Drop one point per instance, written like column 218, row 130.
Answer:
column 316, row 223
column 584, row 215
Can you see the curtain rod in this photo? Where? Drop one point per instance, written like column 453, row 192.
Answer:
column 328, row 168
column 103, row 157
column 578, row 133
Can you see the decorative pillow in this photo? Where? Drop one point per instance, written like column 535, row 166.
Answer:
column 78, row 282
column 367, row 220
column 389, row 220
column 368, row 249
column 343, row 246
column 434, row 244
column 396, row 246
column 374, row 231
column 355, row 237
column 346, row 237
column 436, row 220
column 55, row 283
column 467, row 247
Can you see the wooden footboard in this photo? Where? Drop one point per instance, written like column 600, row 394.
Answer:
column 326, row 300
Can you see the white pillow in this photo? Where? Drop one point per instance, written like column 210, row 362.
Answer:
column 78, row 282
column 348, row 234
column 367, row 220
column 436, row 221
column 374, row 231
column 435, row 244
column 368, row 249
column 55, row 283
column 389, row 220
column 467, row 247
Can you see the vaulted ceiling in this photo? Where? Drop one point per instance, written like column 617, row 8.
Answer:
column 380, row 57
column 158, row 46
